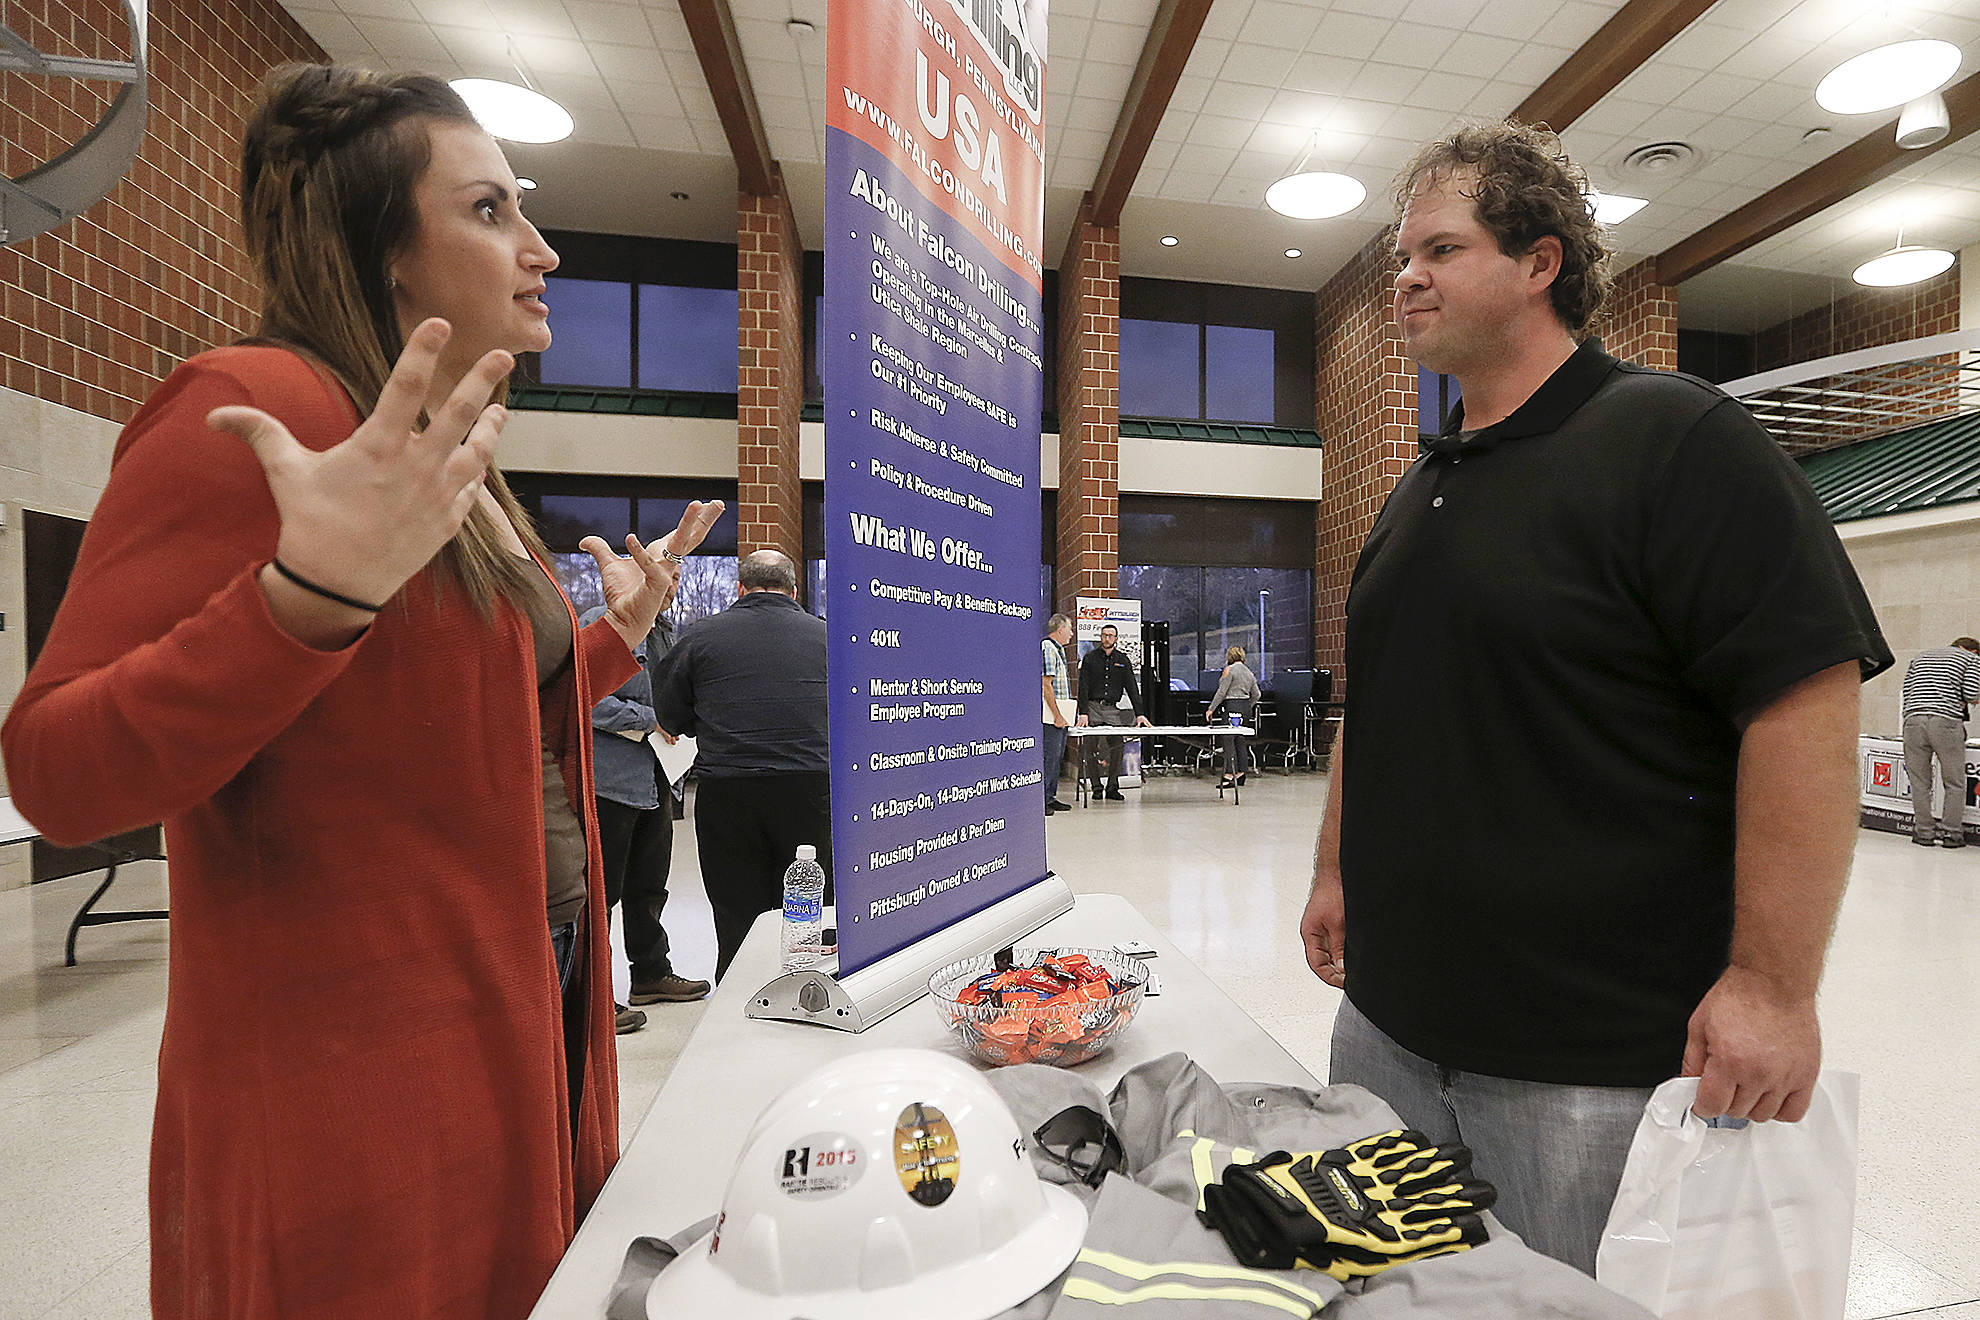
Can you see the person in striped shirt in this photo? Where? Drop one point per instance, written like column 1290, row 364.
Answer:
column 1939, row 684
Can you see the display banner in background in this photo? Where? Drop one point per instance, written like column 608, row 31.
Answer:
column 1884, row 789
column 1095, row 613
column 932, row 341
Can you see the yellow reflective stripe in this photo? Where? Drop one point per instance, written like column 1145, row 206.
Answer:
column 1088, row 1291
column 1202, row 1269
column 1199, row 1161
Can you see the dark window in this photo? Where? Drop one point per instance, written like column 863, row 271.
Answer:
column 591, row 325
column 687, row 339
column 1237, row 374
column 1436, row 395
column 1210, row 609
column 1161, row 372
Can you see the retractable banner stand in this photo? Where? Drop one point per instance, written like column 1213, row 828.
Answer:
column 934, row 211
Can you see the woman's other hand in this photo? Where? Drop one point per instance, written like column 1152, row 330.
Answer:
column 639, row 585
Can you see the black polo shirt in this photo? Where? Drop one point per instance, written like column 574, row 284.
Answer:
column 1554, row 631
column 1105, row 675
column 749, row 684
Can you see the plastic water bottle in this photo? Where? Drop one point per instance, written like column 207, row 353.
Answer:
column 804, row 909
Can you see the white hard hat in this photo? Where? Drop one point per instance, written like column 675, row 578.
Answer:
column 889, row 1185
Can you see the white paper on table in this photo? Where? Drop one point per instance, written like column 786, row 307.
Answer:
column 675, row 757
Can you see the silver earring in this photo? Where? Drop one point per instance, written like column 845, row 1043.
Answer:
column 391, row 282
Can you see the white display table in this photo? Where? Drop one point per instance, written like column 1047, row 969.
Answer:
column 1209, row 735
column 677, row 1166
column 1884, row 790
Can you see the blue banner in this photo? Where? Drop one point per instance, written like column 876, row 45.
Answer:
column 931, row 352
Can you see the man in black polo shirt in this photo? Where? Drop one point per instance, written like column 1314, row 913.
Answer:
column 1105, row 675
column 749, row 683
column 1616, row 613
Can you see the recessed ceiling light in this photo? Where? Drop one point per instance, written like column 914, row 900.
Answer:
column 526, row 184
column 514, row 113
column 1292, row 252
column 1613, row 208
column 1170, row 240
column 1315, row 195
column 1902, row 265
column 678, row 196
column 1887, row 76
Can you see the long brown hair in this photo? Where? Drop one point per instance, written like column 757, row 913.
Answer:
column 328, row 165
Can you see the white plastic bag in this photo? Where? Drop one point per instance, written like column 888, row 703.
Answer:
column 1736, row 1223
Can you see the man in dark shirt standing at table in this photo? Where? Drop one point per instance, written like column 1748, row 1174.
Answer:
column 1652, row 641
column 1105, row 673
column 749, row 684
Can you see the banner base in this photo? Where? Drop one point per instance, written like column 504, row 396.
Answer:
column 857, row 1001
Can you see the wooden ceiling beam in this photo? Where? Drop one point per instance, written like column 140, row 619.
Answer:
column 1171, row 37
column 1619, row 48
column 1874, row 156
column 713, row 29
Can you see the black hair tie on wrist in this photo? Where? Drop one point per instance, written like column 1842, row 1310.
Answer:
column 323, row 591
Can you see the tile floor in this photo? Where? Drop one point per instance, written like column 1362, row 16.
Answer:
column 1901, row 1006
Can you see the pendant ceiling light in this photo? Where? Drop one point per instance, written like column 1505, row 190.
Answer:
column 1902, row 265
column 514, row 113
column 1888, row 76
column 1305, row 194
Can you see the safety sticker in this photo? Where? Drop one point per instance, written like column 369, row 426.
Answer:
column 926, row 1155
column 820, row 1165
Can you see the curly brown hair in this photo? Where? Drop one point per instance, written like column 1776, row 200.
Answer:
column 1526, row 189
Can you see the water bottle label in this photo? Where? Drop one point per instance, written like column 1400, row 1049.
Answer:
column 803, row 908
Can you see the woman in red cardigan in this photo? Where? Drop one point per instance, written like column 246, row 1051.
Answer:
column 331, row 660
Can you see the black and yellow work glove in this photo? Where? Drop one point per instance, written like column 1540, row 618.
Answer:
column 1354, row 1211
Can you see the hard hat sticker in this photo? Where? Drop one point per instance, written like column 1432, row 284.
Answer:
column 819, row 1165
column 926, row 1155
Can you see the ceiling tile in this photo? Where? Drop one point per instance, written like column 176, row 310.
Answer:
column 1238, row 100
column 1385, row 82
column 1533, row 65
column 1418, row 125
column 648, row 98
column 535, row 20
column 1446, row 91
column 1190, row 94
column 642, row 62
column 1476, row 53
column 1257, row 66
column 1521, row 22
column 623, row 24
column 1118, row 43
column 1351, row 36
column 1328, row 74
column 1304, row 109
column 556, row 55
column 1184, row 186
column 1418, row 46
column 1276, row 24
column 398, row 40
column 670, row 30
column 1225, row 21
column 1106, row 82
column 1216, row 131
column 447, row 13
column 1441, row 13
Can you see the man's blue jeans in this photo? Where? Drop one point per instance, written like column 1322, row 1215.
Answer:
column 1554, row 1152
column 1055, row 756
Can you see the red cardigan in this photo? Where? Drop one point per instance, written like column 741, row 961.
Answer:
column 362, row 1102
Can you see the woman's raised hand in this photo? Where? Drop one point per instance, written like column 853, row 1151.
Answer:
column 638, row 587
column 363, row 516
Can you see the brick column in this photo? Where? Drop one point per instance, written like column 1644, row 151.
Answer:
column 1640, row 323
column 769, row 374
column 1365, row 400
column 1089, row 411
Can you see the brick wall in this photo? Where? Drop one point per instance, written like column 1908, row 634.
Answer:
column 1640, row 323
column 1089, row 412
column 770, row 374
column 1868, row 318
column 96, row 312
column 1365, row 397
column 1864, row 319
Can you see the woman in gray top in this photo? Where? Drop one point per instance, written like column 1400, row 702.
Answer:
column 1237, row 694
